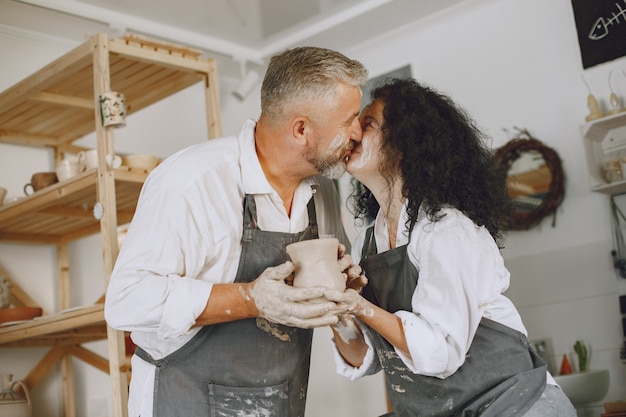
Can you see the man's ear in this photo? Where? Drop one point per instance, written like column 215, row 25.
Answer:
column 300, row 130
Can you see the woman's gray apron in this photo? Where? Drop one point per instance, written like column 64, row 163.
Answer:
column 502, row 376
column 249, row 367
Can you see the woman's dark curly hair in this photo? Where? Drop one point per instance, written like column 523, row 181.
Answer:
column 440, row 154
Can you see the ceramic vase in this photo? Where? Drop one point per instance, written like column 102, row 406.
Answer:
column 315, row 263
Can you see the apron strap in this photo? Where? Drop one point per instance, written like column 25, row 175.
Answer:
column 311, row 207
column 249, row 217
column 250, row 213
column 369, row 244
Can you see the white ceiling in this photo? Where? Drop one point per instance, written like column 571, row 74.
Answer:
column 252, row 30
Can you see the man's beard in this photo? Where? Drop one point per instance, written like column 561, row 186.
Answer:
column 332, row 162
column 328, row 164
column 333, row 171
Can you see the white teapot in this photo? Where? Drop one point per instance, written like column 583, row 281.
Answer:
column 13, row 404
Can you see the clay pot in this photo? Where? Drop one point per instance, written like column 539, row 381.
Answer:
column 40, row 180
column 315, row 263
column 19, row 314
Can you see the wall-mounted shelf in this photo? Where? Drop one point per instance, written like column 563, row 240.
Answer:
column 604, row 140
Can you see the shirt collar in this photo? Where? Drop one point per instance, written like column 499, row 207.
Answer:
column 402, row 235
column 254, row 180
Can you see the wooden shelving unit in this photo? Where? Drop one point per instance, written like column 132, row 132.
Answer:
column 52, row 108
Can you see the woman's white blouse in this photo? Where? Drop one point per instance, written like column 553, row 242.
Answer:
column 462, row 278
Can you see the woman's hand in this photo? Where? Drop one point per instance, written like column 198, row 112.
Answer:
column 388, row 325
column 352, row 272
column 351, row 301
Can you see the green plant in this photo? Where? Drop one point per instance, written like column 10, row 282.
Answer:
column 583, row 355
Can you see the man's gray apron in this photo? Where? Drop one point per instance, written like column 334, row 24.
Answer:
column 249, row 367
column 501, row 376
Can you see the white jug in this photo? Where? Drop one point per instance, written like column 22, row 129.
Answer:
column 67, row 168
column 13, row 404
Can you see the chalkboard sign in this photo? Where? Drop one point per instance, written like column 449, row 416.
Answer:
column 601, row 27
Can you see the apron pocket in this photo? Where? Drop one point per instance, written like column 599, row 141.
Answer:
column 271, row 401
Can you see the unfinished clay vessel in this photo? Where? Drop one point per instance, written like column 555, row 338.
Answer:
column 315, row 263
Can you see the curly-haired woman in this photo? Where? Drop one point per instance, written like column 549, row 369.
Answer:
column 433, row 315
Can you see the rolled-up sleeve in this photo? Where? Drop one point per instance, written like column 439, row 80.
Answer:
column 456, row 264
column 153, row 287
column 370, row 365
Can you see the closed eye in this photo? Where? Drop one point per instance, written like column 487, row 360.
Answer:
column 368, row 122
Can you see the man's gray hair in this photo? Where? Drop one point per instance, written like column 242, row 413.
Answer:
column 300, row 76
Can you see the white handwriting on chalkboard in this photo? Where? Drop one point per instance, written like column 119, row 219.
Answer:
column 601, row 26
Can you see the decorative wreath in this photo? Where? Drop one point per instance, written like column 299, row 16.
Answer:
column 507, row 155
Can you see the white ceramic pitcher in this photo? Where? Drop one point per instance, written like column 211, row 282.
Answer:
column 13, row 404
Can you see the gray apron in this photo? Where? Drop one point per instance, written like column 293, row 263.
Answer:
column 501, row 376
column 249, row 367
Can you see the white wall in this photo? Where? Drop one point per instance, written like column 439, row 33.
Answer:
column 510, row 63
column 517, row 63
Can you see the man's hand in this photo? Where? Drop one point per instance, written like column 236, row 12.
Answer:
column 291, row 306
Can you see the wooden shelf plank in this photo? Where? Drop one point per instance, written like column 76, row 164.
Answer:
column 55, row 106
column 598, row 129
column 64, row 211
column 59, row 325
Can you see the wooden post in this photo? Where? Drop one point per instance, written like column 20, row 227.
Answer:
column 63, row 266
column 67, row 376
column 212, row 103
column 108, row 221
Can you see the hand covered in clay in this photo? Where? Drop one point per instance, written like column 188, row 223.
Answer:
column 352, row 272
column 351, row 302
column 285, row 304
